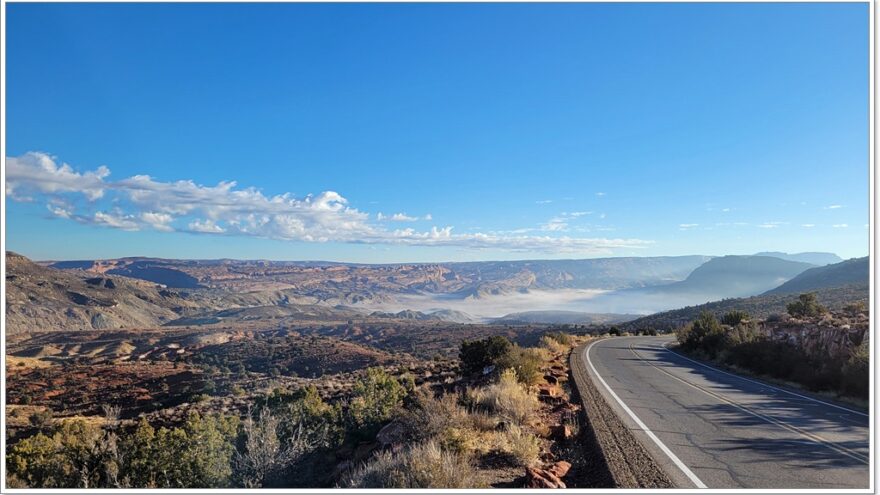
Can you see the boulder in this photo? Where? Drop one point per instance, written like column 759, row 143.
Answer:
column 561, row 432
column 391, row 434
column 544, row 478
column 559, row 468
column 548, row 391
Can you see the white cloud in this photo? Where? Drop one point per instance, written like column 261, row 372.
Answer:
column 833, row 207
column 555, row 224
column 577, row 214
column 36, row 172
column 115, row 220
column 60, row 211
column 205, row 227
column 840, row 225
column 600, row 194
column 544, row 201
column 685, row 226
column 808, row 225
column 141, row 202
column 159, row 221
column 771, row 225
column 402, row 217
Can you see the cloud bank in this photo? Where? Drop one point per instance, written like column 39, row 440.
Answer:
column 143, row 203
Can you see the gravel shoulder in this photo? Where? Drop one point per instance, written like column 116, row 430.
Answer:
column 618, row 455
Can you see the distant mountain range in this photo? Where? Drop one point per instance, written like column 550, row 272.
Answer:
column 339, row 283
column 855, row 271
column 818, row 259
column 737, row 276
column 145, row 292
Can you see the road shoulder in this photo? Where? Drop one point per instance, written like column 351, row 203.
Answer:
column 629, row 462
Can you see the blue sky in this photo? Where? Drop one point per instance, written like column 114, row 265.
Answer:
column 494, row 131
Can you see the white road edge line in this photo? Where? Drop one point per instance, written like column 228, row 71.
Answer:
column 690, row 474
column 756, row 382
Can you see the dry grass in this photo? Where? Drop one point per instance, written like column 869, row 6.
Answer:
column 17, row 362
column 553, row 345
column 424, row 465
column 507, row 398
column 522, row 446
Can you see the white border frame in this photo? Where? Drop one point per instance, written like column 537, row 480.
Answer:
column 872, row 305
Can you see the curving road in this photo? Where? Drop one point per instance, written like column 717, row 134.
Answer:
column 708, row 428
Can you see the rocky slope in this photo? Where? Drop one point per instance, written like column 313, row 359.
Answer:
column 45, row 299
column 854, row 271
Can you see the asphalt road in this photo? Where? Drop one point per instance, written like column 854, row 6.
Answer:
column 708, row 428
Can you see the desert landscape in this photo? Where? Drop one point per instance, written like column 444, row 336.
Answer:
column 106, row 344
column 366, row 246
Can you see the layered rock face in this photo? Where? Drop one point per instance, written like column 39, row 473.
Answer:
column 833, row 335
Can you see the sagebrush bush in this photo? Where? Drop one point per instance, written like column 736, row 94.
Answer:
column 856, row 371
column 552, row 345
column 526, row 362
column 507, row 398
column 854, row 308
column 429, row 416
column 445, row 421
column 423, row 465
column 521, row 446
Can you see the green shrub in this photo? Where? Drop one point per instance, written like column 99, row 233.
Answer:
column 475, row 355
column 806, row 305
column 373, row 400
column 75, row 455
column 322, row 423
column 198, row 455
column 735, row 317
column 704, row 334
